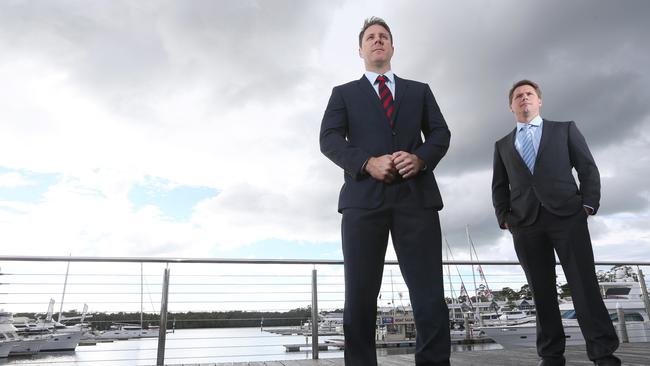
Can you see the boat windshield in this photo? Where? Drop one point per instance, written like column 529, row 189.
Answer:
column 633, row 317
column 569, row 314
column 617, row 292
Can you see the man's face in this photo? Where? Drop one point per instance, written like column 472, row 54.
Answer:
column 376, row 46
column 525, row 103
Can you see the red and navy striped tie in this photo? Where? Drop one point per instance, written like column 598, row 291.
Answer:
column 386, row 98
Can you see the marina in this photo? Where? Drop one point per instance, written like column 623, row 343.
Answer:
column 183, row 338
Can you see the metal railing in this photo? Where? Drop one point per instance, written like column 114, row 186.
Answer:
column 176, row 287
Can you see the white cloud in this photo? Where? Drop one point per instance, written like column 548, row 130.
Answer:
column 14, row 179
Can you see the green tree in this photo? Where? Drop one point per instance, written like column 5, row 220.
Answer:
column 508, row 294
column 525, row 292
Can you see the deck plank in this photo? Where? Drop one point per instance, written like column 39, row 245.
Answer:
column 632, row 354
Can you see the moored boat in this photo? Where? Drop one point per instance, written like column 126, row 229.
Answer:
column 623, row 292
column 121, row 331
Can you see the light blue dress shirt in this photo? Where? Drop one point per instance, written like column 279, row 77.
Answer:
column 536, row 132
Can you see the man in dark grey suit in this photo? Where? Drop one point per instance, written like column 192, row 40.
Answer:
column 535, row 196
column 373, row 129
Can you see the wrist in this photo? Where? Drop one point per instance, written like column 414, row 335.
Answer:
column 422, row 164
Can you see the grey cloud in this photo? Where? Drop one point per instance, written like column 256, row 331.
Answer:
column 586, row 55
column 249, row 49
column 133, row 54
column 626, row 195
column 625, row 169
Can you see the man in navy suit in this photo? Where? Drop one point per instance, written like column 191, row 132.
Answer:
column 373, row 129
column 536, row 197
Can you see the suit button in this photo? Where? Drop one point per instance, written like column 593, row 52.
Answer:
column 394, row 133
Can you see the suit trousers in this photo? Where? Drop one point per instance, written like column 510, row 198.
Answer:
column 416, row 236
column 569, row 237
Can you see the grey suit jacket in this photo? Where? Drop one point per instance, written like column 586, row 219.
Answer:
column 355, row 128
column 517, row 194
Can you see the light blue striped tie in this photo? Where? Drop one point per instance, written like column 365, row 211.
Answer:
column 527, row 148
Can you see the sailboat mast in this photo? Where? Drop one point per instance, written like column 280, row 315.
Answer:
column 471, row 260
column 392, row 292
column 451, row 287
column 65, row 284
column 463, row 289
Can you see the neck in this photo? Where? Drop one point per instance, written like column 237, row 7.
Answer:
column 526, row 119
column 379, row 69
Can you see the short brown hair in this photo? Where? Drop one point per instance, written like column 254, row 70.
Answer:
column 521, row 83
column 374, row 21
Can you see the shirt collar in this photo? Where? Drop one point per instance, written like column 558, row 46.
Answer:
column 372, row 76
column 537, row 121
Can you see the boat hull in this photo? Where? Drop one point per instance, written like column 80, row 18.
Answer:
column 526, row 335
column 27, row 346
column 61, row 341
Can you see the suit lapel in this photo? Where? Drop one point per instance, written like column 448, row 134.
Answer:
column 516, row 154
column 369, row 92
column 401, row 90
column 546, row 131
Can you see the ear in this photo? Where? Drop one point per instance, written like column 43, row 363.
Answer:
column 540, row 102
column 360, row 52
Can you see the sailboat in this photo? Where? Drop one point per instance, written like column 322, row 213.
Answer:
column 122, row 331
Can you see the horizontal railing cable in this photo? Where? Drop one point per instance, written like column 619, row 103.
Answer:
column 230, row 292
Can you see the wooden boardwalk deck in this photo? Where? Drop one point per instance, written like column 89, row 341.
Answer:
column 632, row 354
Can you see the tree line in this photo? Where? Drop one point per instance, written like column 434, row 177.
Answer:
column 190, row 319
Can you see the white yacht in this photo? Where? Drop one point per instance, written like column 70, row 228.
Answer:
column 622, row 292
column 57, row 336
column 9, row 336
column 8, row 339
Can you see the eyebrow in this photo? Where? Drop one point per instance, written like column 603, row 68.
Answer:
column 380, row 33
column 522, row 93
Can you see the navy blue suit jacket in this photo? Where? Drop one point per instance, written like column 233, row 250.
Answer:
column 517, row 194
column 355, row 128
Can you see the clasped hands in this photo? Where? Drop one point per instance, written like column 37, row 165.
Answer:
column 385, row 168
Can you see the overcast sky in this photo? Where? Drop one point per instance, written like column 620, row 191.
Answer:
column 190, row 128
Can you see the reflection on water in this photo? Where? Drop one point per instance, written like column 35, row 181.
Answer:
column 201, row 346
column 475, row 347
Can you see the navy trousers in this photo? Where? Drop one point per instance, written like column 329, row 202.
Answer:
column 416, row 236
column 569, row 238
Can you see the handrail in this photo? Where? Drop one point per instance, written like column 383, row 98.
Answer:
column 30, row 258
column 209, row 300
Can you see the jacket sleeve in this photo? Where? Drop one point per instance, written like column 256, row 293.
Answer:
column 584, row 163
column 500, row 188
column 435, row 131
column 333, row 138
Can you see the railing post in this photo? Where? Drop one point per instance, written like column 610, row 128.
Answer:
column 163, row 320
column 314, row 316
column 622, row 328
